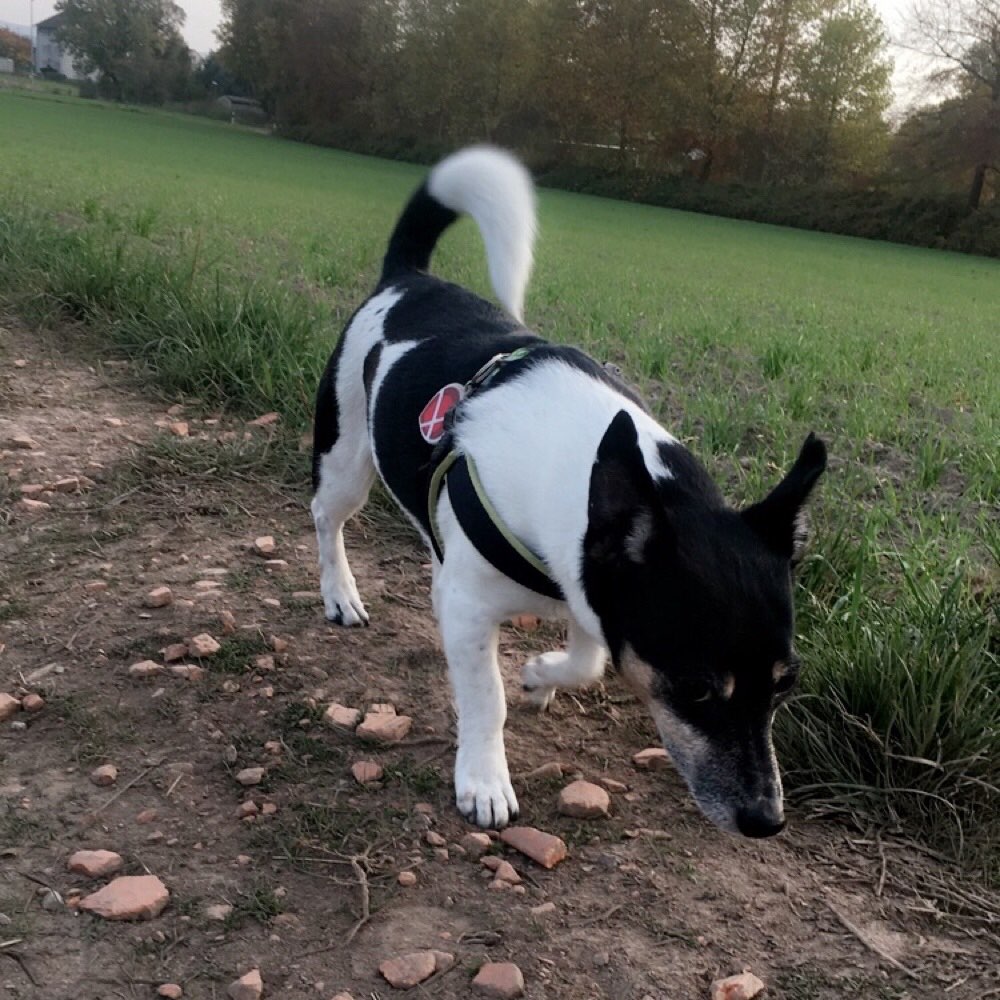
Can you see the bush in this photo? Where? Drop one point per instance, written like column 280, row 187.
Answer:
column 942, row 222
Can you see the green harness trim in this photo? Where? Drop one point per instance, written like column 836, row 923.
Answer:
column 437, row 481
column 434, row 494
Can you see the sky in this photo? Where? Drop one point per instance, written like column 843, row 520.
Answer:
column 199, row 26
column 203, row 17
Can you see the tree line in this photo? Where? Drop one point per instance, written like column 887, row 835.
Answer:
column 757, row 108
column 773, row 91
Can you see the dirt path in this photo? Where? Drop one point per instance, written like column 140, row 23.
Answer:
column 652, row 902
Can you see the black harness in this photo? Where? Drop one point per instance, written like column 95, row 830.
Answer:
column 478, row 518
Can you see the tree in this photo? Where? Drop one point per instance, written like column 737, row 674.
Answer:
column 134, row 45
column 611, row 73
column 840, row 93
column 729, row 71
column 16, row 47
column 964, row 37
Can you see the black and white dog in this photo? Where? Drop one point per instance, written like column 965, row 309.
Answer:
column 549, row 489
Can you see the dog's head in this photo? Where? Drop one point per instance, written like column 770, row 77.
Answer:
column 695, row 600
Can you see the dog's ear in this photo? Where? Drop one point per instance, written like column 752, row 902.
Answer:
column 623, row 511
column 779, row 518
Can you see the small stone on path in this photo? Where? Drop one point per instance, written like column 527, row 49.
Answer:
column 170, row 990
column 406, row 971
column 145, row 668
column 248, row 987
column 527, row 623
column 384, row 727
column 367, row 771
column 9, row 706
column 543, row 848
column 128, row 897
column 341, row 715
column 95, row 864
column 742, row 987
column 203, row 645
column 250, row 776
column 158, row 597
column 187, row 671
column 264, row 420
column 21, row 442
column 653, row 759
column 32, row 506
column 506, row 872
column 443, row 961
column 106, row 774
column 179, row 428
column 407, row 878
column 613, row 786
column 264, row 545
column 583, row 800
column 553, row 769
column 32, row 702
column 175, row 651
column 218, row 912
column 475, row 845
column 499, row 979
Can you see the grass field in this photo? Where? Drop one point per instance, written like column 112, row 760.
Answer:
column 228, row 260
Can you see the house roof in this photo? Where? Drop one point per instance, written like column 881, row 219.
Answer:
column 50, row 23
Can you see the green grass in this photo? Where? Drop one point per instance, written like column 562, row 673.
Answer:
column 226, row 262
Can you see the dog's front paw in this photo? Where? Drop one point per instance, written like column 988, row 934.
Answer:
column 484, row 795
column 346, row 613
column 536, row 680
column 344, row 606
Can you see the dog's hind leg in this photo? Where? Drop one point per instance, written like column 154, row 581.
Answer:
column 343, row 469
column 580, row 665
column 345, row 477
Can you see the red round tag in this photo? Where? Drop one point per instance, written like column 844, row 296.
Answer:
column 433, row 414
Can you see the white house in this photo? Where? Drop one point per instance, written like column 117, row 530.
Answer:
column 50, row 54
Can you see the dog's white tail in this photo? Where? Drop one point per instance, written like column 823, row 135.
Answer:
column 496, row 190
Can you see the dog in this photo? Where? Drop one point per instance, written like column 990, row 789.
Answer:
column 543, row 485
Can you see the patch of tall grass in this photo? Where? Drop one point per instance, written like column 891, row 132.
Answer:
column 250, row 346
column 899, row 713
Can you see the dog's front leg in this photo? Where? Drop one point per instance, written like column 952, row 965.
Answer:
column 579, row 665
column 483, row 791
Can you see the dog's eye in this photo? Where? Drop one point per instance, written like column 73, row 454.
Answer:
column 695, row 691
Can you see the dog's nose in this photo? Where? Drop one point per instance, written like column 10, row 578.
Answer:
column 764, row 818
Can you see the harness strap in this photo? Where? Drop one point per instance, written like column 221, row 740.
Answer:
column 484, row 527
